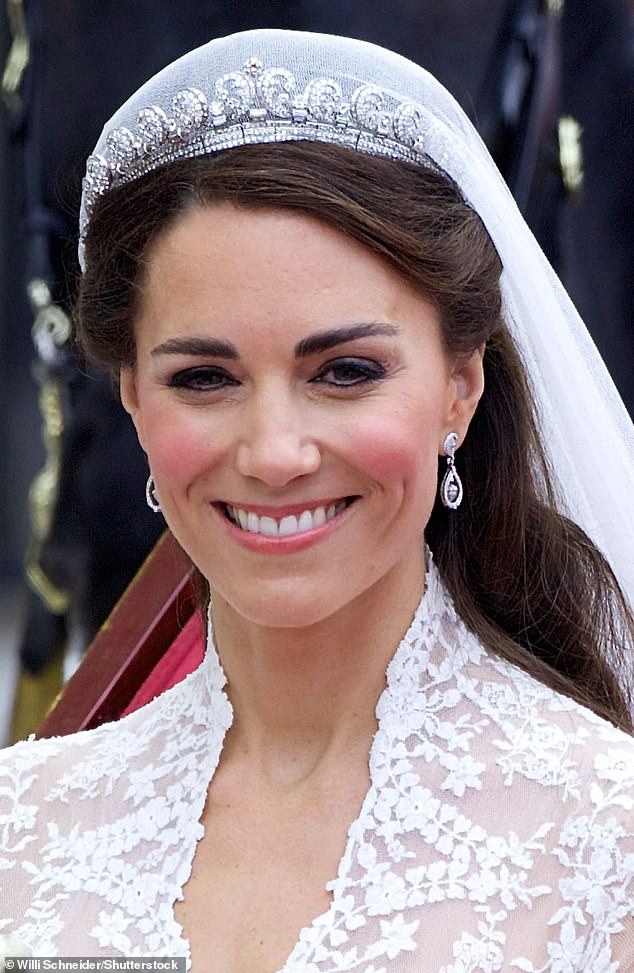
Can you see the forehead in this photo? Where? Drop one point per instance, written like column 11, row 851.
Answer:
column 211, row 231
column 224, row 261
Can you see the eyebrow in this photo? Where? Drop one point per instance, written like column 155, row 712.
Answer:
column 324, row 340
column 315, row 343
column 202, row 347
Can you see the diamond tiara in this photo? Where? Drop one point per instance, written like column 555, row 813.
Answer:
column 256, row 105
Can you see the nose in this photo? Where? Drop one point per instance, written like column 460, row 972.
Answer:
column 275, row 445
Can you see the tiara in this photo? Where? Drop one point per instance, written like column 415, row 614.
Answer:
column 256, row 105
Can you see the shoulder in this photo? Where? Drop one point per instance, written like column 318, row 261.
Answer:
column 39, row 778
column 533, row 735
column 479, row 716
column 42, row 785
column 520, row 757
column 556, row 736
column 27, row 766
column 42, row 780
column 518, row 794
column 125, row 795
column 566, row 778
column 91, row 762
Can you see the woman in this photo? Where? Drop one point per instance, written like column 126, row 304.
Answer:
column 292, row 248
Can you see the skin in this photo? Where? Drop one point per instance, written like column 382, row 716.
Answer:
column 285, row 424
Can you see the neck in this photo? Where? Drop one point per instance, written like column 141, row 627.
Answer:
column 302, row 696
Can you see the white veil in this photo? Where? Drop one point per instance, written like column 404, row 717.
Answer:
column 273, row 85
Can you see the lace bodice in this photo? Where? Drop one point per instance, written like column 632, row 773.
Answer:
column 497, row 832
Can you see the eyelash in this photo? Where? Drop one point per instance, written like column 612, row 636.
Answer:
column 367, row 372
column 202, row 378
column 210, row 378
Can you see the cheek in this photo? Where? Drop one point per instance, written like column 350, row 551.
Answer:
column 176, row 449
column 396, row 449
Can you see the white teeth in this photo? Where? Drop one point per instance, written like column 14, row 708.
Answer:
column 287, row 526
column 268, row 526
column 305, row 521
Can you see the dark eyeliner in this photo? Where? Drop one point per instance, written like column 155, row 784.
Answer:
column 202, row 378
column 361, row 371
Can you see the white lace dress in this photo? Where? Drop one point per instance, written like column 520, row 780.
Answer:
column 497, row 833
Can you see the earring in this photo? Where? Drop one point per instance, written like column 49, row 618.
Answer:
column 150, row 495
column 451, row 491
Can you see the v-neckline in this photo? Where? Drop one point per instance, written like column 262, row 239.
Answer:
column 215, row 680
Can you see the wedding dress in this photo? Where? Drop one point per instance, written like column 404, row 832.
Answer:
column 497, row 832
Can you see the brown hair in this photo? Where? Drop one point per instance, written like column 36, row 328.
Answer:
column 524, row 578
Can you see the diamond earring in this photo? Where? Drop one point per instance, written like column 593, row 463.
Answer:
column 150, row 495
column 451, row 492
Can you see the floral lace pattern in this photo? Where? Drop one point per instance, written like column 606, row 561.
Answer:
column 497, row 833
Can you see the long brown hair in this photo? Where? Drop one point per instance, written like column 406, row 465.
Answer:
column 524, row 578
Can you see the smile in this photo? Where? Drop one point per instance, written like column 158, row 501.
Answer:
column 288, row 525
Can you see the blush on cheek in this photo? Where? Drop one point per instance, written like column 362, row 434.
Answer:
column 388, row 450
column 402, row 458
column 175, row 454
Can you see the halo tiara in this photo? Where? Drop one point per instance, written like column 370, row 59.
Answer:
column 256, row 105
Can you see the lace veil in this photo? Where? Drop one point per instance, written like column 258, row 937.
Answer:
column 274, row 85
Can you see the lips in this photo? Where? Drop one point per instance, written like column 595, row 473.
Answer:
column 287, row 525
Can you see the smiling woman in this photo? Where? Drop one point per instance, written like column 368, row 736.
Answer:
column 316, row 382
column 357, row 384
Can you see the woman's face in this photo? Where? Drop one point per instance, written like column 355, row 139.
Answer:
column 292, row 394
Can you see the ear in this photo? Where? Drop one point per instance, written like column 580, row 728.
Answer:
column 465, row 391
column 130, row 399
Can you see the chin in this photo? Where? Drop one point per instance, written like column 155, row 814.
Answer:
column 284, row 605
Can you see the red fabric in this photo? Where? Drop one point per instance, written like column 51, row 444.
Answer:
column 183, row 656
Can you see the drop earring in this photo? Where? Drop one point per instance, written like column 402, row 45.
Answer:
column 451, row 491
column 150, row 495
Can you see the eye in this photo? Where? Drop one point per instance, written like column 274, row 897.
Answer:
column 202, row 378
column 350, row 372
